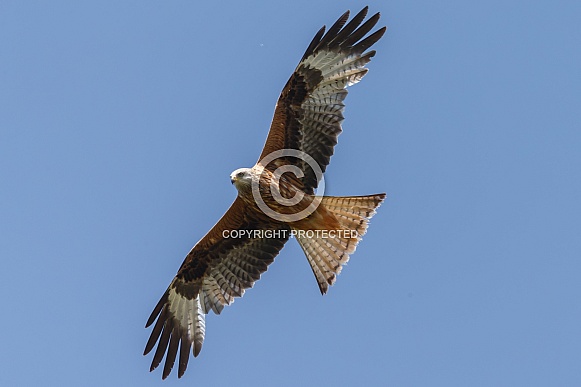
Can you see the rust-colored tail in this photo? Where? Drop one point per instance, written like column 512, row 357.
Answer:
column 328, row 249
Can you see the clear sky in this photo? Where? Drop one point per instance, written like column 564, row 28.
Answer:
column 120, row 123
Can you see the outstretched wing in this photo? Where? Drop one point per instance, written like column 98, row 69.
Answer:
column 309, row 111
column 228, row 260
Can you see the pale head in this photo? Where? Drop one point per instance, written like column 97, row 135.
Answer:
column 242, row 179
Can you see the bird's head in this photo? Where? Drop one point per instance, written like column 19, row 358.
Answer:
column 242, row 179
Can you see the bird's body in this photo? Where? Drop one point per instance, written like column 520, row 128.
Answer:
column 276, row 198
column 281, row 194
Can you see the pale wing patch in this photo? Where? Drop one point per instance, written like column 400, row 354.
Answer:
column 190, row 317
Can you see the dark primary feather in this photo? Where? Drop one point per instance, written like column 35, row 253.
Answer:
column 335, row 28
column 352, row 25
column 314, row 43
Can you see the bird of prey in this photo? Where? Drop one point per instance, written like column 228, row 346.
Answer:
column 276, row 198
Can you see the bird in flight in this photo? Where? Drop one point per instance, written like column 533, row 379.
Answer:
column 276, row 198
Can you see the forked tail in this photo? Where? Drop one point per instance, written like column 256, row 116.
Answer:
column 328, row 248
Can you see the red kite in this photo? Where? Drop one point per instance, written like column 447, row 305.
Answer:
column 276, row 198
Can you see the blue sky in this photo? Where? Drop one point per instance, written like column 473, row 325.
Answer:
column 120, row 123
